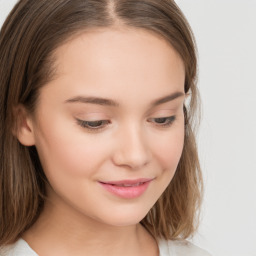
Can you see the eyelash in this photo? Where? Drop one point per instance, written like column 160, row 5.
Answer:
column 93, row 125
column 101, row 124
column 163, row 121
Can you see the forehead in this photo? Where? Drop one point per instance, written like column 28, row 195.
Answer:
column 125, row 59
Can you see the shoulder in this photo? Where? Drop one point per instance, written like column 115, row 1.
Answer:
column 180, row 248
column 20, row 248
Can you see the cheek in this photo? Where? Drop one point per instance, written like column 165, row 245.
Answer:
column 167, row 154
column 69, row 153
column 168, row 150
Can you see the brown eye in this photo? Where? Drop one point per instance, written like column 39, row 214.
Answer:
column 93, row 125
column 163, row 121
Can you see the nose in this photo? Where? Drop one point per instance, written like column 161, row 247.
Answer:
column 132, row 149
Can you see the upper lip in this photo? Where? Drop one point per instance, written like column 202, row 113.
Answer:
column 127, row 182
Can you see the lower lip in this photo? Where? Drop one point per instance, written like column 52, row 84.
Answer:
column 126, row 192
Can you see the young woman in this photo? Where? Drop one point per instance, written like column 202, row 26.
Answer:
column 98, row 155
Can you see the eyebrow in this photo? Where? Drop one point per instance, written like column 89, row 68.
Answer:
column 167, row 98
column 112, row 103
column 93, row 100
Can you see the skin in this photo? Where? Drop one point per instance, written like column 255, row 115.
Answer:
column 133, row 68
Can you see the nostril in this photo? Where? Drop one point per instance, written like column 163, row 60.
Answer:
column 133, row 159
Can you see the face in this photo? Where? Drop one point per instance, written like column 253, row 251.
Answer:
column 109, row 129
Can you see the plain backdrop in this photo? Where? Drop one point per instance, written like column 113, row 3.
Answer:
column 225, row 31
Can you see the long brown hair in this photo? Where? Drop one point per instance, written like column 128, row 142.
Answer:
column 28, row 39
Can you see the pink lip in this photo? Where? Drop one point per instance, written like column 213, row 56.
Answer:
column 127, row 188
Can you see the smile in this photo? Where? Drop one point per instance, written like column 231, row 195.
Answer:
column 127, row 188
column 129, row 185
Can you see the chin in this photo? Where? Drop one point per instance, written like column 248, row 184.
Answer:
column 123, row 217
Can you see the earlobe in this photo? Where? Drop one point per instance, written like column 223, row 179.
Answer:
column 23, row 129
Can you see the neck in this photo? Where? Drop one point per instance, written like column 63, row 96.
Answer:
column 68, row 232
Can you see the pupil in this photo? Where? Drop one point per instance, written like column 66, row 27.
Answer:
column 96, row 123
column 161, row 120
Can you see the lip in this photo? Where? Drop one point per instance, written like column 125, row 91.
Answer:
column 127, row 188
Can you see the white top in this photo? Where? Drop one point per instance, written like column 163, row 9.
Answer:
column 166, row 248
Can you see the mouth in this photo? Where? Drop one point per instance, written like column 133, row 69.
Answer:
column 127, row 188
column 127, row 184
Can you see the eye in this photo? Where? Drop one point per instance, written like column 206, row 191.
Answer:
column 163, row 121
column 93, row 125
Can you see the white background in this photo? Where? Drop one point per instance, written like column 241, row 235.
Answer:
column 226, row 36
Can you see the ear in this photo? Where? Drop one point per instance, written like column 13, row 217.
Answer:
column 23, row 129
